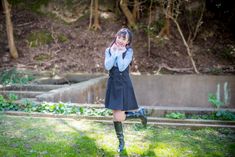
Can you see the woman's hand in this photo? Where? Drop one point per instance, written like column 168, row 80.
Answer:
column 117, row 50
column 114, row 53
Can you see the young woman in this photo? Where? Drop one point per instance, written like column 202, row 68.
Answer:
column 120, row 96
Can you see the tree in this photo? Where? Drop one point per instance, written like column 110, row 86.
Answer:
column 130, row 18
column 165, row 31
column 189, row 43
column 96, row 24
column 135, row 11
column 149, row 23
column 9, row 28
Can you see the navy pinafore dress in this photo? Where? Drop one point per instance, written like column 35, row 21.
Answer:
column 120, row 93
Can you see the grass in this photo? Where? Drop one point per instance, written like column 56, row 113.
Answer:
column 28, row 136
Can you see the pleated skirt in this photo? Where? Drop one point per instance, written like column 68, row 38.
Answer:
column 120, row 94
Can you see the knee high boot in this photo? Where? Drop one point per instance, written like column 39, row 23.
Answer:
column 120, row 136
column 137, row 114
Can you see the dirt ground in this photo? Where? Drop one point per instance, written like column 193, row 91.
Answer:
column 83, row 51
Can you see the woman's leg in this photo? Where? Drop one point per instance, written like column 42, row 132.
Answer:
column 118, row 117
column 140, row 113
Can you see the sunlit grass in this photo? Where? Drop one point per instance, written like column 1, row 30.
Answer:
column 27, row 136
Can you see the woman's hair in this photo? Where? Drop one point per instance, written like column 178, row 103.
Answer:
column 126, row 33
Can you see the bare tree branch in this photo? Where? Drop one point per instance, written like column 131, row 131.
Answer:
column 174, row 17
column 199, row 23
column 186, row 44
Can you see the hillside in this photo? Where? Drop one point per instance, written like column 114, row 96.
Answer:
column 46, row 42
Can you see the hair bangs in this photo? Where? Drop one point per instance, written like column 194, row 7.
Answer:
column 123, row 34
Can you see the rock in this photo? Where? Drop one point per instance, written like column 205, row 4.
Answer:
column 6, row 58
column 108, row 15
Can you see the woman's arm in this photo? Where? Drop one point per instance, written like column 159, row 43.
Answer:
column 123, row 63
column 109, row 59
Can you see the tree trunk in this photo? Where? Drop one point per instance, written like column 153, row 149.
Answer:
column 91, row 14
column 117, row 10
column 165, row 31
column 9, row 27
column 149, row 23
column 135, row 11
column 127, row 13
column 96, row 18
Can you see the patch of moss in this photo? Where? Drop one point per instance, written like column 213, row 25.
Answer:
column 42, row 57
column 39, row 38
column 62, row 38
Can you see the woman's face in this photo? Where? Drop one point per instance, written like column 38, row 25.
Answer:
column 122, row 40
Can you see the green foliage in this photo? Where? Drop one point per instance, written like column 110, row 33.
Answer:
column 176, row 115
column 219, row 115
column 199, row 116
column 216, row 71
column 13, row 76
column 7, row 104
column 64, row 108
column 28, row 105
column 214, row 101
column 228, row 52
column 42, row 108
column 31, row 5
column 154, row 28
column 59, row 108
column 36, row 39
column 225, row 115
column 69, row 3
column 94, row 112
column 12, row 97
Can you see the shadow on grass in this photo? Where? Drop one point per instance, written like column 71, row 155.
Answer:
column 87, row 144
column 26, row 136
column 162, row 141
column 187, row 142
column 34, row 137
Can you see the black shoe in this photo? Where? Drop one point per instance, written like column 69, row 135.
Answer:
column 120, row 136
column 138, row 114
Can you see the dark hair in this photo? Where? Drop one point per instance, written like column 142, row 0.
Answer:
column 124, row 32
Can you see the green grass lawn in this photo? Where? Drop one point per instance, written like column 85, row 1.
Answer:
column 27, row 136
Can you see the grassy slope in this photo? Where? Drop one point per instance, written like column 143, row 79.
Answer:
column 25, row 136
